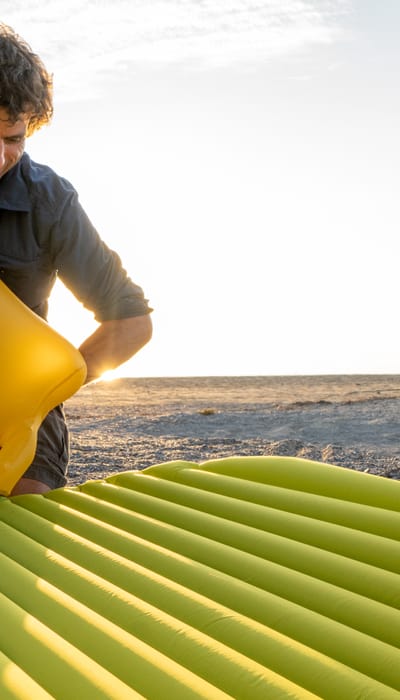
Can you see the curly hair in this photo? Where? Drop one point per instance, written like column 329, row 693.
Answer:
column 25, row 85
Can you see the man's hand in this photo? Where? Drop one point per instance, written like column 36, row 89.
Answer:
column 113, row 343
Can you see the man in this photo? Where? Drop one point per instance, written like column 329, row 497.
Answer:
column 44, row 232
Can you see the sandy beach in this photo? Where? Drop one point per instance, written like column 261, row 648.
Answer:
column 350, row 421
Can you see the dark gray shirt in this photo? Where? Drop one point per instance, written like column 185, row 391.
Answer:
column 44, row 232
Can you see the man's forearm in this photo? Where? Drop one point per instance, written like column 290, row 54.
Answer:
column 113, row 343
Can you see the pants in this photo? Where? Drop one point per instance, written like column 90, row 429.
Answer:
column 50, row 464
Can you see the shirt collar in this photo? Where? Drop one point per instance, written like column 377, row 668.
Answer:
column 14, row 194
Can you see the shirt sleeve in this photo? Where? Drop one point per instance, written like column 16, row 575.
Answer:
column 90, row 269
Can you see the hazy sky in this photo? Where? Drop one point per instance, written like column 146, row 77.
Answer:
column 241, row 156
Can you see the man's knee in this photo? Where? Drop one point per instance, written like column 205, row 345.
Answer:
column 29, row 486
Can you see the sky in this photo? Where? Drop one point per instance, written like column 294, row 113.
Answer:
column 241, row 156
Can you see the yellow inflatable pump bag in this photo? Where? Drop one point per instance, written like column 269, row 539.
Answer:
column 38, row 370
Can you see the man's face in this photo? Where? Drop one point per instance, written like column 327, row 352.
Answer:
column 12, row 140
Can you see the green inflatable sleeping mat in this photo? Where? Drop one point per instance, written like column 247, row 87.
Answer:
column 246, row 577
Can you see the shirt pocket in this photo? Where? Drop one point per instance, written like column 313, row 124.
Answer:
column 28, row 279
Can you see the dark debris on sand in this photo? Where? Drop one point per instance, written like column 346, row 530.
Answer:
column 138, row 452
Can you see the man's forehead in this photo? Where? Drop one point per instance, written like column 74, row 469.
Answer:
column 19, row 124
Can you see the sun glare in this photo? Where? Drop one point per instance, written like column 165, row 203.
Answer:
column 110, row 375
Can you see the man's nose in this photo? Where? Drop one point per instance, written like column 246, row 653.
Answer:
column 2, row 153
